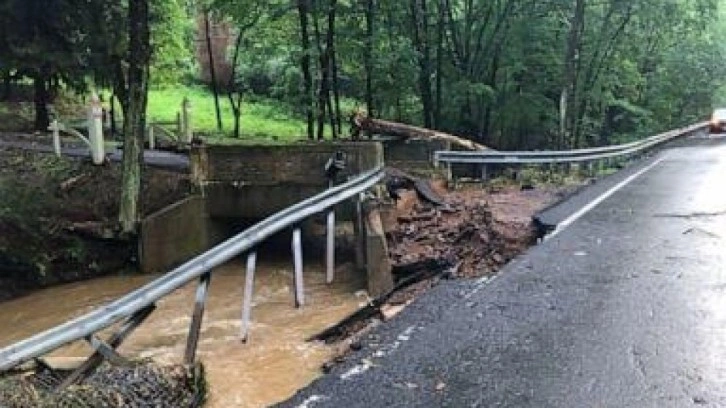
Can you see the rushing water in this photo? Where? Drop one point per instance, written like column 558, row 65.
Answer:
column 274, row 363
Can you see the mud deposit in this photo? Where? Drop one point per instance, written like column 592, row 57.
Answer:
column 479, row 231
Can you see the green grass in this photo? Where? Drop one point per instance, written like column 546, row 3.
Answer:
column 262, row 121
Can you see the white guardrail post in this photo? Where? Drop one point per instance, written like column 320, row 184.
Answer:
column 95, row 130
column 152, row 137
column 55, row 128
column 186, row 121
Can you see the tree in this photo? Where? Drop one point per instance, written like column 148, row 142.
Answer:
column 303, row 9
column 38, row 45
column 212, row 69
column 135, row 93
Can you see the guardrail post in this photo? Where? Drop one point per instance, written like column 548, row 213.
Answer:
column 591, row 169
column 199, row 304
column 484, row 173
column 55, row 128
column 179, row 127
column 114, row 341
column 330, row 247
column 186, row 121
column 249, row 290
column 152, row 137
column 360, row 234
column 95, row 130
column 298, row 266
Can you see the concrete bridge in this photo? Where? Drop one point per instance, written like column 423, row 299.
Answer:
column 235, row 186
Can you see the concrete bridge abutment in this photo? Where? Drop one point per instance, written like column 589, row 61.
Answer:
column 237, row 185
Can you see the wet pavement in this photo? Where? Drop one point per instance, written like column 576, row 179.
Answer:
column 155, row 158
column 626, row 307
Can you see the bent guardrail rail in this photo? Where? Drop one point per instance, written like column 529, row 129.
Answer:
column 562, row 156
column 134, row 307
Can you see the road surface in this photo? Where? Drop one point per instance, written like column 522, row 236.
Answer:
column 624, row 307
column 155, row 158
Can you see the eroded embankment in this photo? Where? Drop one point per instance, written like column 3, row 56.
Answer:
column 464, row 233
column 58, row 218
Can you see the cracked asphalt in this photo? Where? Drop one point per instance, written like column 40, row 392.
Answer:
column 626, row 307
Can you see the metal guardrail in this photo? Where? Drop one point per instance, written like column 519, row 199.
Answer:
column 132, row 308
column 562, row 156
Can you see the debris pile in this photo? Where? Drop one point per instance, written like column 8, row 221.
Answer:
column 139, row 385
column 465, row 233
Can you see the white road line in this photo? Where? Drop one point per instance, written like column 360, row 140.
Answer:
column 312, row 400
column 592, row 204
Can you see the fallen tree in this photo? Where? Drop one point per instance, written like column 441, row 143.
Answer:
column 362, row 123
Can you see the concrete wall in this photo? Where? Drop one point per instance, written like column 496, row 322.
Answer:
column 173, row 235
column 252, row 182
column 413, row 156
column 256, row 181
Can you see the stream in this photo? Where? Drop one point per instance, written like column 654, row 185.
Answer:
column 274, row 363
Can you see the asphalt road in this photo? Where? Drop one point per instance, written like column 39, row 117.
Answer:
column 155, row 158
column 625, row 307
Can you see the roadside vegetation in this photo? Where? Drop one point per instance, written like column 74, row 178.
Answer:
column 510, row 74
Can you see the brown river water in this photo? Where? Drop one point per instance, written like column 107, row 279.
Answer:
column 274, row 363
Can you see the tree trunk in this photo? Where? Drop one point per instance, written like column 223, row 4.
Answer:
column 323, row 89
column 303, row 7
column 113, row 115
column 439, row 62
column 236, row 105
column 237, row 111
column 419, row 17
column 368, row 57
column 362, row 123
column 7, row 85
column 212, row 71
column 41, row 98
column 569, row 86
column 135, row 115
column 338, row 125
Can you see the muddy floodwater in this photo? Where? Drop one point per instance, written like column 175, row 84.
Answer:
column 269, row 368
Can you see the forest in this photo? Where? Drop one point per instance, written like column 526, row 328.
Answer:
column 508, row 74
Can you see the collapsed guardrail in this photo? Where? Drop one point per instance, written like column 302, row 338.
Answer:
column 449, row 157
column 132, row 309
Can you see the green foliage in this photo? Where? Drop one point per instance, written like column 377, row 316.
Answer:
column 172, row 38
column 496, row 69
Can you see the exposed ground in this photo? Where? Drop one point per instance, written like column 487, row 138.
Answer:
column 473, row 234
column 479, row 231
column 57, row 218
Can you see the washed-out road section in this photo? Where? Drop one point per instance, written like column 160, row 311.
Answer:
column 626, row 307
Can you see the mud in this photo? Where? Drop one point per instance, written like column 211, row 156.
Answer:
column 479, row 230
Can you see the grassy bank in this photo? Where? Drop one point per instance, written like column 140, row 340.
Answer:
column 261, row 120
